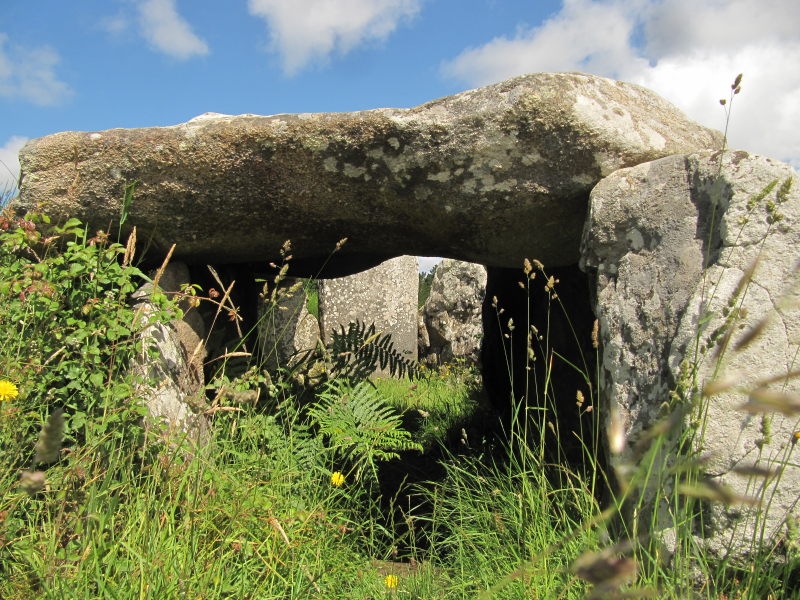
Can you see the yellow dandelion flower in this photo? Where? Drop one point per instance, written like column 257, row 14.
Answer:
column 796, row 437
column 337, row 479
column 391, row 581
column 8, row 391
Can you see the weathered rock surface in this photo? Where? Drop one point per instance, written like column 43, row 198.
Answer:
column 287, row 331
column 452, row 312
column 385, row 295
column 491, row 175
column 669, row 243
column 172, row 382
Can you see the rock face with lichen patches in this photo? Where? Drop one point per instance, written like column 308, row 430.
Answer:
column 490, row 175
column 669, row 244
column 452, row 312
column 385, row 295
column 170, row 366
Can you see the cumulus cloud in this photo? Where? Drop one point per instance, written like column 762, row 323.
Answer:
column 688, row 51
column 29, row 74
column 167, row 31
column 303, row 31
column 9, row 164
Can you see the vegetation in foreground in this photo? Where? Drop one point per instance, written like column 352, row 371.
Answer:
column 281, row 504
column 284, row 502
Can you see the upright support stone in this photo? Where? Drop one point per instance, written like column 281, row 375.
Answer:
column 171, row 379
column 452, row 312
column 695, row 260
column 287, row 331
column 385, row 295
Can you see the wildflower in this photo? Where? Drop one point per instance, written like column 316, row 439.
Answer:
column 8, row 391
column 795, row 437
column 391, row 581
column 337, row 479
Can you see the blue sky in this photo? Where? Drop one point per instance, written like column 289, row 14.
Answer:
column 95, row 64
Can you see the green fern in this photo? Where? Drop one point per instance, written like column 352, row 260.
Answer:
column 358, row 351
column 307, row 447
column 359, row 425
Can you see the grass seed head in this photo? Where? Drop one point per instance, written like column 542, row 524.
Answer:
column 31, row 481
column 764, row 400
column 616, row 433
column 50, row 438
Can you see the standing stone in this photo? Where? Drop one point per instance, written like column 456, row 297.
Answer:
column 287, row 331
column 171, row 379
column 385, row 295
column 669, row 243
column 452, row 311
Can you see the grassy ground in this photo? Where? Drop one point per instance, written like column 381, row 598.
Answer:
column 440, row 404
column 289, row 499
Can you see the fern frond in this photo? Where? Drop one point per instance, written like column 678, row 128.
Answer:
column 359, row 350
column 359, row 424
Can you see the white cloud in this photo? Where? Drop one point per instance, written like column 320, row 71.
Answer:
column 115, row 25
column 690, row 52
column 9, row 164
column 29, row 73
column 303, row 31
column 426, row 263
column 584, row 36
column 167, row 31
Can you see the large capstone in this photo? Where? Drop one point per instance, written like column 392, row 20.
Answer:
column 491, row 175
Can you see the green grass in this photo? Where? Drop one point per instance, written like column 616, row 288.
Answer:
column 312, row 304
column 440, row 403
column 119, row 514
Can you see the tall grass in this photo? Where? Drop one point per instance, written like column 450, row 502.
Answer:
column 257, row 514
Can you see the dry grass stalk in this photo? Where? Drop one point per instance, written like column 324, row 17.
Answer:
column 765, row 400
column 163, row 267
column 32, row 482
column 130, row 248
